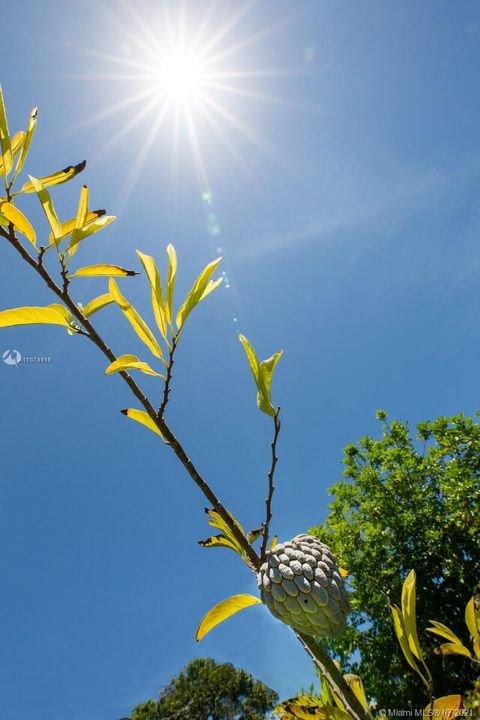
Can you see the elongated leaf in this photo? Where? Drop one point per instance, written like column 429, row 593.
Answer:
column 68, row 226
column 137, row 323
column 56, row 178
column 266, row 369
column 410, row 614
column 48, row 209
column 32, row 124
column 219, row 523
column 171, row 274
column 32, row 316
column 222, row 611
column 158, row 302
column 93, row 226
column 273, row 542
column 130, row 362
column 399, row 627
column 19, row 221
column 356, row 684
column 454, row 649
column 5, row 143
column 262, row 375
column 218, row 541
column 446, row 707
column 443, row 631
column 62, row 310
column 197, row 291
column 472, row 619
column 3, row 220
column 16, row 144
column 97, row 304
column 143, row 418
column 103, row 271
column 82, row 208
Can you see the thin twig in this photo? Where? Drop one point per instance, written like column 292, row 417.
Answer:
column 334, row 677
column 250, row 554
column 271, row 487
column 166, row 387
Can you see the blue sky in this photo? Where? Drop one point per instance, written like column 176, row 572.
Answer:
column 344, row 171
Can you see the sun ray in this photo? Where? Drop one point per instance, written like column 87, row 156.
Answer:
column 226, row 28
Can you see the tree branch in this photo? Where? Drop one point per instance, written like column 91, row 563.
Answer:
column 271, row 487
column 334, row 677
column 166, row 387
column 63, row 294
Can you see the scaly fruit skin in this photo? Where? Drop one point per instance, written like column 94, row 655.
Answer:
column 301, row 584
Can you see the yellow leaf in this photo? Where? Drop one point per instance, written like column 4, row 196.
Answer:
column 197, row 292
column 5, row 143
column 472, row 619
column 343, row 572
column 103, row 271
column 48, row 209
column 218, row 522
column 97, row 304
column 32, row 124
column 19, row 221
column 137, row 323
column 262, row 374
column 399, row 627
column 32, row 316
column 443, row 631
column 143, row 418
column 273, row 542
column 454, row 649
column 446, row 707
column 218, row 541
column 307, row 707
column 223, row 610
column 16, row 143
column 82, row 208
column 356, row 684
column 65, row 312
column 98, row 223
column 158, row 303
column 171, row 273
column 69, row 225
column 56, row 178
column 410, row 615
column 130, row 362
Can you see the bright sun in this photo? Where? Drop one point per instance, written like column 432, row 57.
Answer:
column 180, row 78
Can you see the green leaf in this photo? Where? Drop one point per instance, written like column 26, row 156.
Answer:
column 5, row 143
column 97, row 304
column 130, row 362
column 262, row 375
column 171, row 274
column 56, row 178
column 143, row 418
column 48, row 209
column 32, row 316
column 198, row 291
column 99, row 222
column 307, row 707
column 137, row 323
column 19, row 221
column 158, row 303
column 32, row 124
column 222, row 611
column 68, row 226
column 409, row 614
column 103, row 271
column 472, row 619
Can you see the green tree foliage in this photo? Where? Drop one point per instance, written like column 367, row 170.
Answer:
column 206, row 690
column 407, row 503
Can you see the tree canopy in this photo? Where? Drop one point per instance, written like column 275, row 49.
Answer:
column 206, row 690
column 407, row 503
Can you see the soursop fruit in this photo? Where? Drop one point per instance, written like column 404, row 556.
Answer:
column 301, row 584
